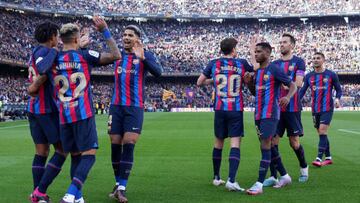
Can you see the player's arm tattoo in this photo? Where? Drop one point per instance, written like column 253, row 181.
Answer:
column 35, row 86
column 108, row 58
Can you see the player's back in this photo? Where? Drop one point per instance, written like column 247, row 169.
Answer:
column 43, row 103
column 228, row 74
column 71, row 79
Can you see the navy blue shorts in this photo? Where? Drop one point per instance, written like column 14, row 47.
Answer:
column 266, row 128
column 79, row 136
column 291, row 121
column 44, row 128
column 124, row 119
column 322, row 118
column 228, row 124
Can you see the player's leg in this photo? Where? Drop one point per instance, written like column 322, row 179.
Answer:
column 50, row 127
column 133, row 121
column 266, row 129
column 280, row 130
column 221, row 132
column 75, row 161
column 41, row 150
column 115, row 130
column 216, row 160
column 323, row 129
column 294, row 132
column 322, row 141
column 275, row 155
column 236, row 132
column 272, row 180
column 86, row 140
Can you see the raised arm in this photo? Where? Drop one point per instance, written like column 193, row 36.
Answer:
column 149, row 60
column 253, row 41
column 107, row 58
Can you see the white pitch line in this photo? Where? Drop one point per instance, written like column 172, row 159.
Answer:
column 14, row 126
column 349, row 131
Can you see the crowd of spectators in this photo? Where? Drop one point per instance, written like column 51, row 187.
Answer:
column 186, row 47
column 206, row 7
column 13, row 96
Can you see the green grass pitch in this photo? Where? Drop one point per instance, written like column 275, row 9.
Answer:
column 173, row 163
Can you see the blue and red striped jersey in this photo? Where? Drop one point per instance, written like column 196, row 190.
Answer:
column 71, row 79
column 293, row 68
column 228, row 75
column 321, row 85
column 130, row 73
column 267, row 84
column 44, row 102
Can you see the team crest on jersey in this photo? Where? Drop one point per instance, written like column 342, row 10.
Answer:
column 136, row 61
column 291, row 68
column 266, row 77
column 314, row 87
column 325, row 80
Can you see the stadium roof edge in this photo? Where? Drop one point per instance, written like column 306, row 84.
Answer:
column 39, row 10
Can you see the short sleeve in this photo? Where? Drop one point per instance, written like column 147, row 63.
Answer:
column 280, row 75
column 208, row 69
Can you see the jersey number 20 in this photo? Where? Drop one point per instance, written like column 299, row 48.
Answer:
column 232, row 83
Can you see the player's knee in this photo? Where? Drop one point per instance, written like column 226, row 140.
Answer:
column 275, row 141
column 266, row 143
column 59, row 149
column 115, row 139
column 322, row 129
column 89, row 152
column 235, row 142
column 130, row 138
column 42, row 149
column 219, row 145
column 295, row 145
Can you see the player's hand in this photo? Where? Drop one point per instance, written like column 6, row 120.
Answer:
column 85, row 38
column 253, row 41
column 284, row 101
column 138, row 50
column 337, row 103
column 285, row 87
column 99, row 23
column 248, row 77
